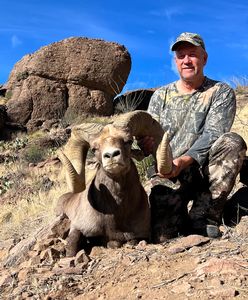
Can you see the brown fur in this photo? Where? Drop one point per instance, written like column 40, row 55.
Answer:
column 114, row 205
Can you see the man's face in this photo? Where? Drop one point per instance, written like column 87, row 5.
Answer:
column 190, row 61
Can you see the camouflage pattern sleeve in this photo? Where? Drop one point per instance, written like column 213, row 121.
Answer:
column 218, row 121
column 156, row 104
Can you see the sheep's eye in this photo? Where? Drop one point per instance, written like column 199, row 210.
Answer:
column 93, row 150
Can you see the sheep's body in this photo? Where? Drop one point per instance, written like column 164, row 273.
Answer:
column 115, row 210
column 113, row 205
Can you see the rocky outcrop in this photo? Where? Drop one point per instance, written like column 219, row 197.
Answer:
column 74, row 76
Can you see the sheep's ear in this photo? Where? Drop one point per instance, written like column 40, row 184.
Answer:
column 137, row 154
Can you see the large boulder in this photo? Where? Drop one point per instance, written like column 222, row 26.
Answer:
column 75, row 76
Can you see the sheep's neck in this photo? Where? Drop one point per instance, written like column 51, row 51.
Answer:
column 115, row 189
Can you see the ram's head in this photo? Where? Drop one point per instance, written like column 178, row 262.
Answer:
column 112, row 146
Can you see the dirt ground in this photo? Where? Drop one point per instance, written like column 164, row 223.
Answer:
column 192, row 267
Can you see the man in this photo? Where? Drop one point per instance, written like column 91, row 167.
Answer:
column 198, row 113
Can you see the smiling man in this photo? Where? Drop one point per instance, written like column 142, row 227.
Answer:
column 198, row 113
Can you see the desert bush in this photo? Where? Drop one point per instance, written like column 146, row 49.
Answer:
column 8, row 95
column 129, row 103
column 34, row 154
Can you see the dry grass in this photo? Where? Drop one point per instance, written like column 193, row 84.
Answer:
column 21, row 220
column 240, row 84
column 28, row 204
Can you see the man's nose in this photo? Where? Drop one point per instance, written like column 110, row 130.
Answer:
column 187, row 59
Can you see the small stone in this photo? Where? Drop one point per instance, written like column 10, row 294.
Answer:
column 49, row 242
column 217, row 266
column 128, row 260
column 213, row 231
column 23, row 274
column 97, row 251
column 181, row 288
column 242, row 228
column 38, row 247
column 34, row 260
column 33, row 253
column 7, row 244
column 81, row 257
column 141, row 245
column 188, row 242
column 60, row 247
column 5, row 278
column 175, row 250
column 224, row 292
column 194, row 240
column 72, row 270
column 114, row 244
column 3, row 254
column 65, row 262
column 49, row 255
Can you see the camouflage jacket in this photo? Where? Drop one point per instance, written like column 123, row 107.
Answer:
column 194, row 121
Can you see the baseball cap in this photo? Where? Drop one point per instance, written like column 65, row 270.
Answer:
column 192, row 38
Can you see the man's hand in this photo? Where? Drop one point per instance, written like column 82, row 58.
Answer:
column 178, row 165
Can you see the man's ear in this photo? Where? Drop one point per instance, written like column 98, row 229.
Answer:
column 205, row 58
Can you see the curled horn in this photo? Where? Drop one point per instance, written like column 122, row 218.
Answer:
column 141, row 123
column 74, row 156
column 164, row 156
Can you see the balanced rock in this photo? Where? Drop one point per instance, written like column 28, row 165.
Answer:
column 75, row 76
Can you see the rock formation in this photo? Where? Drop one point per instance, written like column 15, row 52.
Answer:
column 73, row 76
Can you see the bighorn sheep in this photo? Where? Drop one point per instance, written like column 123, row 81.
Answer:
column 113, row 204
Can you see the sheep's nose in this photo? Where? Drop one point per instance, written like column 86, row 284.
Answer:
column 111, row 154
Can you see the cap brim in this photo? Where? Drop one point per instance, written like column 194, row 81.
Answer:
column 175, row 45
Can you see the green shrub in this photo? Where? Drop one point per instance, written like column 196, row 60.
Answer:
column 34, row 154
column 8, row 95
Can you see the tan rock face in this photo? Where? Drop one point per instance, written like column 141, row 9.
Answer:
column 76, row 74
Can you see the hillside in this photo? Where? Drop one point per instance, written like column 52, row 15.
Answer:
column 32, row 259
